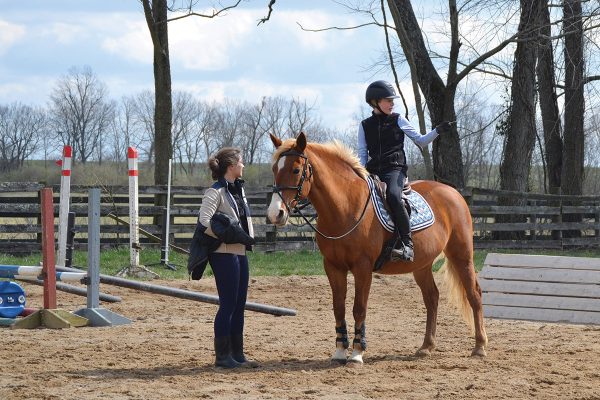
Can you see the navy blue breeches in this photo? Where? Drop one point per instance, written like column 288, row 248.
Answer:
column 231, row 276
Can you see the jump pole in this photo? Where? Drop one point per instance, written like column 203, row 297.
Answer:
column 184, row 294
column 96, row 315
column 49, row 316
column 64, row 287
column 65, row 196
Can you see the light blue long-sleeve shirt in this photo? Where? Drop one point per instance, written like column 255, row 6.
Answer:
column 407, row 128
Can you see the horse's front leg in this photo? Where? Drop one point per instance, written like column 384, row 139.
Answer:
column 338, row 280
column 362, row 286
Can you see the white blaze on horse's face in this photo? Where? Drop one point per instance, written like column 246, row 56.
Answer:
column 277, row 212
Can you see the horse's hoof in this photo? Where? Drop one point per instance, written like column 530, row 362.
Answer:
column 423, row 353
column 478, row 352
column 356, row 359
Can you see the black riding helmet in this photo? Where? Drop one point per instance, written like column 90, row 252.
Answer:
column 380, row 90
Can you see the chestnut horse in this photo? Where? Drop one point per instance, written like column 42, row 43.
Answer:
column 350, row 237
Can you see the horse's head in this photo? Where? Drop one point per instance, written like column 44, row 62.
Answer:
column 293, row 177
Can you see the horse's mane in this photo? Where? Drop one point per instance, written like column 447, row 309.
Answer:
column 335, row 148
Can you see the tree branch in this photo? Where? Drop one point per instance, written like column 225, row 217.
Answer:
column 214, row 14
column 389, row 50
column 338, row 28
column 591, row 78
column 265, row 19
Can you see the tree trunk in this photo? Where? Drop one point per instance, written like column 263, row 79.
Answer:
column 548, row 104
column 407, row 49
column 520, row 140
column 573, row 150
column 447, row 156
column 156, row 18
column 551, row 123
column 573, row 154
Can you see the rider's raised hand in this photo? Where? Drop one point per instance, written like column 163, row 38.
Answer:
column 444, row 127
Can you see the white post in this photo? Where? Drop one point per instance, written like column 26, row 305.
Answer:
column 168, row 222
column 65, row 196
column 132, row 156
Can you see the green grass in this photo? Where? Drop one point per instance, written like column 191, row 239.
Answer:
column 261, row 264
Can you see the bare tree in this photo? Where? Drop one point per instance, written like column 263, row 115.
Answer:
column 257, row 126
column 80, row 111
column 520, row 138
column 144, row 121
column 193, row 146
column 157, row 18
column 21, row 130
column 185, row 110
column 125, row 129
column 573, row 150
column 549, row 103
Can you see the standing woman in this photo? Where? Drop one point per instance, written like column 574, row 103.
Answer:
column 228, row 262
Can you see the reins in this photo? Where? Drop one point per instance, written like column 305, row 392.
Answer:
column 362, row 216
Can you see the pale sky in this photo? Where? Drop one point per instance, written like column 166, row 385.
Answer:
column 229, row 57
column 214, row 59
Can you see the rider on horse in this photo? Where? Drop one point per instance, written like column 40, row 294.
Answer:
column 381, row 151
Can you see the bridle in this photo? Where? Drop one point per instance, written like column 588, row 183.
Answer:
column 307, row 173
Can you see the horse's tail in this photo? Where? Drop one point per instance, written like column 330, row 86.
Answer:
column 457, row 295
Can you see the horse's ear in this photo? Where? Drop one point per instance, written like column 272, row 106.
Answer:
column 301, row 142
column 276, row 141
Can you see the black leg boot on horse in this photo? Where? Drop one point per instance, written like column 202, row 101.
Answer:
column 223, row 358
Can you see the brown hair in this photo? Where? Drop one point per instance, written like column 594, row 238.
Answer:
column 225, row 157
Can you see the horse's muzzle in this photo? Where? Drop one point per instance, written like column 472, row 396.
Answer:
column 280, row 219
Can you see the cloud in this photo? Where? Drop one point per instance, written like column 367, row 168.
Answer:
column 130, row 39
column 9, row 35
column 202, row 44
column 65, row 33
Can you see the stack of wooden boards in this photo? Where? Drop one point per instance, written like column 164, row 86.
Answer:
column 541, row 288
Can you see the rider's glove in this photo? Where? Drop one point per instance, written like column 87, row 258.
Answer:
column 443, row 128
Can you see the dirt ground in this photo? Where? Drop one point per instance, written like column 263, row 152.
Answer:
column 166, row 353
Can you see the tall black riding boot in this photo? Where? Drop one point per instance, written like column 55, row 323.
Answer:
column 223, row 357
column 237, row 351
column 403, row 250
column 408, row 248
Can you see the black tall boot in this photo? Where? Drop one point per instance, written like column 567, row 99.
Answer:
column 408, row 248
column 403, row 248
column 223, row 357
column 237, row 351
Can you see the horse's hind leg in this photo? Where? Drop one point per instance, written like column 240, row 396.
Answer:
column 463, row 272
column 338, row 281
column 431, row 295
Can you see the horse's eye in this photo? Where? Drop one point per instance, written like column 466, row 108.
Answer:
column 296, row 171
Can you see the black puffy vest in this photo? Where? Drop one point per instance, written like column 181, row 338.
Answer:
column 385, row 143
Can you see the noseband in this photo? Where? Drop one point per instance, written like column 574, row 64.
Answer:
column 307, row 173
